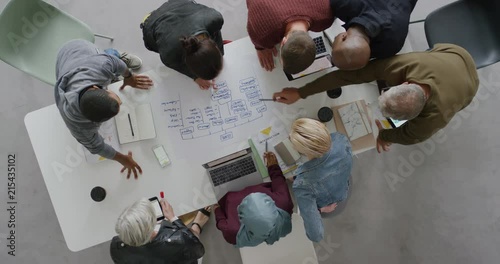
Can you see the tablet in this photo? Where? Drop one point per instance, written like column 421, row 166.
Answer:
column 396, row 123
column 319, row 64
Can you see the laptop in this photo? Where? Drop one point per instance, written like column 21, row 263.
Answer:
column 323, row 47
column 323, row 57
column 233, row 172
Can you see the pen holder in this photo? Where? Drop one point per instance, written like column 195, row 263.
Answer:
column 334, row 93
column 325, row 114
column 98, row 194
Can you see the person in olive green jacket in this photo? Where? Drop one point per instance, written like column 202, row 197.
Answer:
column 427, row 88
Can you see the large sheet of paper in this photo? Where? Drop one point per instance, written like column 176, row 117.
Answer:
column 273, row 135
column 198, row 119
column 110, row 136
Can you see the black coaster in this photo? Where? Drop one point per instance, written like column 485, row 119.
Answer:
column 325, row 114
column 98, row 194
column 334, row 93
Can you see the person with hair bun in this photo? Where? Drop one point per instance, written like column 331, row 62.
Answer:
column 187, row 35
column 322, row 184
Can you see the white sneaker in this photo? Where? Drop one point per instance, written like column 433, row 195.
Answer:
column 132, row 61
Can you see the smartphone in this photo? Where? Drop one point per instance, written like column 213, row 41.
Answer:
column 161, row 155
column 157, row 206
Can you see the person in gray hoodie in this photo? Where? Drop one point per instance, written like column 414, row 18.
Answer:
column 83, row 74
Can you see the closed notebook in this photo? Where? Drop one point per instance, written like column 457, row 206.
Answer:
column 135, row 123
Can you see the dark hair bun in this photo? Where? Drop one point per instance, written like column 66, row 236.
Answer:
column 190, row 44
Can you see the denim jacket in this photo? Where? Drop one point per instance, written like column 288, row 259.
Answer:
column 321, row 182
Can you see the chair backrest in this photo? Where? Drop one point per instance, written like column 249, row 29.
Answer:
column 295, row 248
column 31, row 33
column 472, row 24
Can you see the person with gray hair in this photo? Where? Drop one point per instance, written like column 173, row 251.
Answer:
column 141, row 240
column 402, row 102
column 428, row 89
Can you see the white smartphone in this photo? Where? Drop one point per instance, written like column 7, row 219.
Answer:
column 161, row 155
column 158, row 211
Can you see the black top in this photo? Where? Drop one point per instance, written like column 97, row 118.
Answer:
column 174, row 244
column 176, row 19
column 385, row 21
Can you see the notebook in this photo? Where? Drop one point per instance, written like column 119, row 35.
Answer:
column 134, row 123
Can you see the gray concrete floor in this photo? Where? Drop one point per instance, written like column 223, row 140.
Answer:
column 437, row 202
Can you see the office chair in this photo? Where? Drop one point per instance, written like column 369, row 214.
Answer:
column 31, row 33
column 471, row 24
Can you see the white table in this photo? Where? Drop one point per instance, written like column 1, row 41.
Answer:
column 69, row 178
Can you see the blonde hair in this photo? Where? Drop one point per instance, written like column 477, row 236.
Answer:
column 136, row 223
column 310, row 137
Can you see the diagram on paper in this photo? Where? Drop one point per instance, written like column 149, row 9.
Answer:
column 355, row 120
column 229, row 107
column 110, row 137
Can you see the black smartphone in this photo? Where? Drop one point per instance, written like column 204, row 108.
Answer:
column 158, row 209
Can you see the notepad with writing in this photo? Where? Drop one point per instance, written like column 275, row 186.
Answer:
column 135, row 123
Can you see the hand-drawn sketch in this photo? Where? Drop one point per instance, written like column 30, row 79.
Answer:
column 229, row 107
column 354, row 121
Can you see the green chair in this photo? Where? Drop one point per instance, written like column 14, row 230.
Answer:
column 31, row 34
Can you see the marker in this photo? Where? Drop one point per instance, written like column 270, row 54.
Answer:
column 130, row 122
column 162, row 195
column 277, row 98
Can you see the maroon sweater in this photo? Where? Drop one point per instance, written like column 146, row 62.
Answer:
column 227, row 214
column 267, row 19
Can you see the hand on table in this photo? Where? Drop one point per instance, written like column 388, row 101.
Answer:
column 270, row 159
column 381, row 144
column 287, row 96
column 205, row 84
column 138, row 82
column 266, row 58
column 128, row 163
column 167, row 209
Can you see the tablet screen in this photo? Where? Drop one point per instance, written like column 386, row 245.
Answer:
column 396, row 123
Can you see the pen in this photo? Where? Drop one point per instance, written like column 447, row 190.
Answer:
column 130, row 122
column 277, row 98
column 266, row 145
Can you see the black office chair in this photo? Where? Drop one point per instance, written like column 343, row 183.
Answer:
column 471, row 24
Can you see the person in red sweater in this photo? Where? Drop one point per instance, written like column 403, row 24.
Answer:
column 226, row 214
column 287, row 21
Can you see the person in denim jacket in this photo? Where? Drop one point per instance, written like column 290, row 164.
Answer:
column 322, row 183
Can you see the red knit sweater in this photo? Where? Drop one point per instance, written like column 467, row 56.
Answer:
column 267, row 19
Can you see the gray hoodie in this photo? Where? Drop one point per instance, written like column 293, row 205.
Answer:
column 80, row 65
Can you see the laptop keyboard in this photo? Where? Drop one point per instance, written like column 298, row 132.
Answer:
column 320, row 45
column 233, row 171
